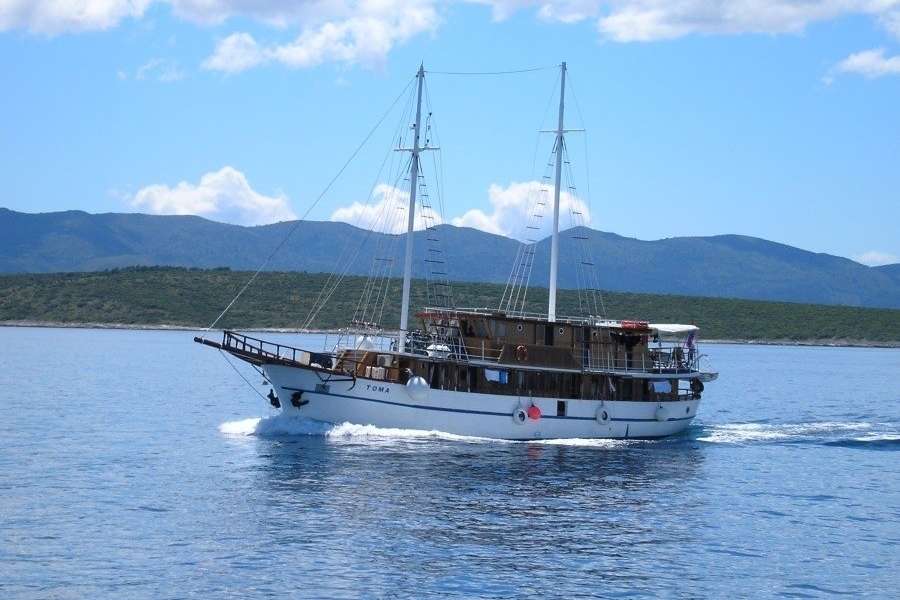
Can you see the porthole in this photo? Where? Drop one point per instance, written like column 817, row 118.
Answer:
column 520, row 328
column 561, row 330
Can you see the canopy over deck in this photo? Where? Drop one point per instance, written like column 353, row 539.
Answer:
column 673, row 328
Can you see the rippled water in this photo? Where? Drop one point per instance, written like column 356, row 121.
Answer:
column 139, row 465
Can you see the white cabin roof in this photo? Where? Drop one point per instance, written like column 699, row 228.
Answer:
column 673, row 328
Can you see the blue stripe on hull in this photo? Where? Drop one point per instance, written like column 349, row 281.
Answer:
column 471, row 412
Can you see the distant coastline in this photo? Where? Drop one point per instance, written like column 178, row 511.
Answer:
column 180, row 299
column 167, row 327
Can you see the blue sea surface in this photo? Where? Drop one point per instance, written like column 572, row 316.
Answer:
column 137, row 464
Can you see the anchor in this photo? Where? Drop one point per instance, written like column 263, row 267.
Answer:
column 297, row 401
column 273, row 399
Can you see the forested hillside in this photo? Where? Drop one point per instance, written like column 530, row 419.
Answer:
column 193, row 298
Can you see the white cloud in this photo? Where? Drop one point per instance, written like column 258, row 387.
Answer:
column 874, row 258
column 159, row 69
column 57, row 16
column 514, row 205
column 869, row 63
column 386, row 213
column 366, row 37
column 223, row 195
column 651, row 20
column 365, row 31
column 238, row 52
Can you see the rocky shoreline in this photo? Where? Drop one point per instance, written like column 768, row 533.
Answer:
column 841, row 343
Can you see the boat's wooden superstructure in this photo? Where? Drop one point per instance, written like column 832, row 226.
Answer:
column 490, row 352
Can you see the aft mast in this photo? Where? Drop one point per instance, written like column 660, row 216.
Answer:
column 554, row 240
column 413, row 186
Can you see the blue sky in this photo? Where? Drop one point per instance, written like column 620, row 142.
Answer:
column 770, row 118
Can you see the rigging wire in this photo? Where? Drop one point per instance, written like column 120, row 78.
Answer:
column 440, row 288
column 247, row 381
column 587, row 172
column 335, row 279
column 313, row 205
column 527, row 247
column 511, row 72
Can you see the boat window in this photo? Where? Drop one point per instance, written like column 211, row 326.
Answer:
column 435, row 378
column 466, row 328
column 496, row 376
column 548, row 335
column 560, row 408
column 500, row 326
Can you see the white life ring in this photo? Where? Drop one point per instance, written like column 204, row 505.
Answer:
column 520, row 416
column 602, row 415
column 661, row 413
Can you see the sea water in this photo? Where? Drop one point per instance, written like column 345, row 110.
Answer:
column 137, row 464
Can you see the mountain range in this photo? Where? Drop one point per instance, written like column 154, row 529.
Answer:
column 721, row 266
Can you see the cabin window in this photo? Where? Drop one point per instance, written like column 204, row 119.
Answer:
column 560, row 408
column 501, row 328
column 466, row 328
column 662, row 388
column 496, row 376
column 435, row 379
column 480, row 329
column 548, row 335
column 533, row 379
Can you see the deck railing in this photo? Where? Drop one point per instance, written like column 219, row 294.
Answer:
column 261, row 348
column 657, row 360
column 673, row 360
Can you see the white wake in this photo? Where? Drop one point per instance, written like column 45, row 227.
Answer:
column 738, row 433
column 281, row 425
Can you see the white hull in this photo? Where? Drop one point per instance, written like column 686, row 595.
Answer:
column 392, row 405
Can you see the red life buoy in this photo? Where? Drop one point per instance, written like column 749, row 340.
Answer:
column 534, row 413
column 521, row 353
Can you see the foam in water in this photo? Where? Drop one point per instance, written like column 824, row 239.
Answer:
column 281, row 425
column 828, row 432
column 588, row 442
column 737, row 433
column 242, row 427
column 275, row 426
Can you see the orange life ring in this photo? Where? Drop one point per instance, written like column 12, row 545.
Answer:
column 521, row 353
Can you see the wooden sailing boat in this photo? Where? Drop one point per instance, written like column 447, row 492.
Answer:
column 496, row 373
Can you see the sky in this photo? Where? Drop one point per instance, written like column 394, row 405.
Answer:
column 772, row 118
